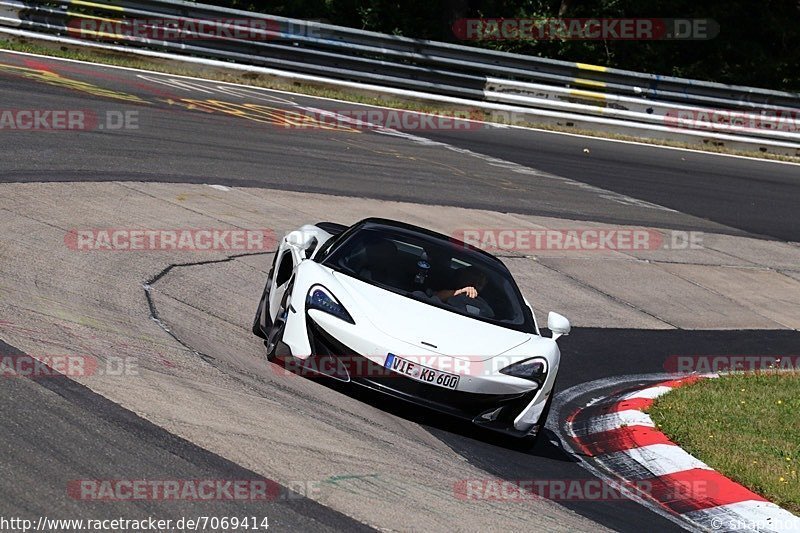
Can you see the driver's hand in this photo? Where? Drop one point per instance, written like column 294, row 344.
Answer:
column 469, row 291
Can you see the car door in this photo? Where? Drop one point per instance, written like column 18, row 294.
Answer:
column 284, row 270
column 295, row 247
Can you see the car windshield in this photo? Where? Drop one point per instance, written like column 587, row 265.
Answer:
column 433, row 270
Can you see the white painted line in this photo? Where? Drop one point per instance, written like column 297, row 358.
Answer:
column 750, row 515
column 649, row 393
column 176, row 84
column 747, row 516
column 564, row 398
column 361, row 86
column 611, row 421
column 521, row 169
column 660, row 459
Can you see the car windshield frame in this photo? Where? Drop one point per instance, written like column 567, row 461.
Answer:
column 476, row 256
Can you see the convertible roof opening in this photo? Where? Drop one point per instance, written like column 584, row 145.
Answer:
column 432, row 269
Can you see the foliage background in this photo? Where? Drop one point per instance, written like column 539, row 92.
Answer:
column 758, row 43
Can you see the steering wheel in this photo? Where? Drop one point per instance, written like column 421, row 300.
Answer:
column 469, row 305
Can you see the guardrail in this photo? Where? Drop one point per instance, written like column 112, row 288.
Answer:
column 645, row 101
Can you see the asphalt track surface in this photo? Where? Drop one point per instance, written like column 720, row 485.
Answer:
column 753, row 196
column 176, row 144
column 734, row 195
column 56, row 427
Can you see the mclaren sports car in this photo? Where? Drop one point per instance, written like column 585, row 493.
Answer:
column 414, row 314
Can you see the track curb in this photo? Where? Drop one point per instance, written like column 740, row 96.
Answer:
column 623, row 440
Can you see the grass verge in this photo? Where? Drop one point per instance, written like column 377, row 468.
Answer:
column 367, row 97
column 746, row 426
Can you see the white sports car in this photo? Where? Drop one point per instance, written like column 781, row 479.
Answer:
column 413, row 314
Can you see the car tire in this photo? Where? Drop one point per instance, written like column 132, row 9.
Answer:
column 529, row 441
column 257, row 330
column 275, row 336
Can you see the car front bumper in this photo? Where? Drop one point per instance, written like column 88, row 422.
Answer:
column 497, row 412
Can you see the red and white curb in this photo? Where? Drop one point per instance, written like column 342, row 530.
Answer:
column 624, row 441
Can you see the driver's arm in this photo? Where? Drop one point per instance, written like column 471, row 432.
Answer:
column 446, row 294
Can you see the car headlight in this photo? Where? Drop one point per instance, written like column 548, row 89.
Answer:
column 319, row 298
column 533, row 369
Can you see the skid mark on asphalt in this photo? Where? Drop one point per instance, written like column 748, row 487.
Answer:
column 260, row 113
column 193, row 86
column 54, row 79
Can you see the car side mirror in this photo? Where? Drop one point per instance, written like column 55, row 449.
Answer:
column 558, row 324
column 300, row 239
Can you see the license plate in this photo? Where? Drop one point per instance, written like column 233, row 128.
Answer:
column 421, row 373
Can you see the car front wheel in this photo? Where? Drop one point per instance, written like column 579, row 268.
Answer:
column 276, row 329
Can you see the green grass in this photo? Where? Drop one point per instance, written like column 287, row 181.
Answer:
column 746, row 426
column 259, row 80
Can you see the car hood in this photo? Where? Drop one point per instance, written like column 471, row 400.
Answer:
column 428, row 327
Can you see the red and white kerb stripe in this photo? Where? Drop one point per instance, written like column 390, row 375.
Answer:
column 624, row 440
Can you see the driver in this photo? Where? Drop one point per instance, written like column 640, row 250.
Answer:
column 471, row 280
column 381, row 261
